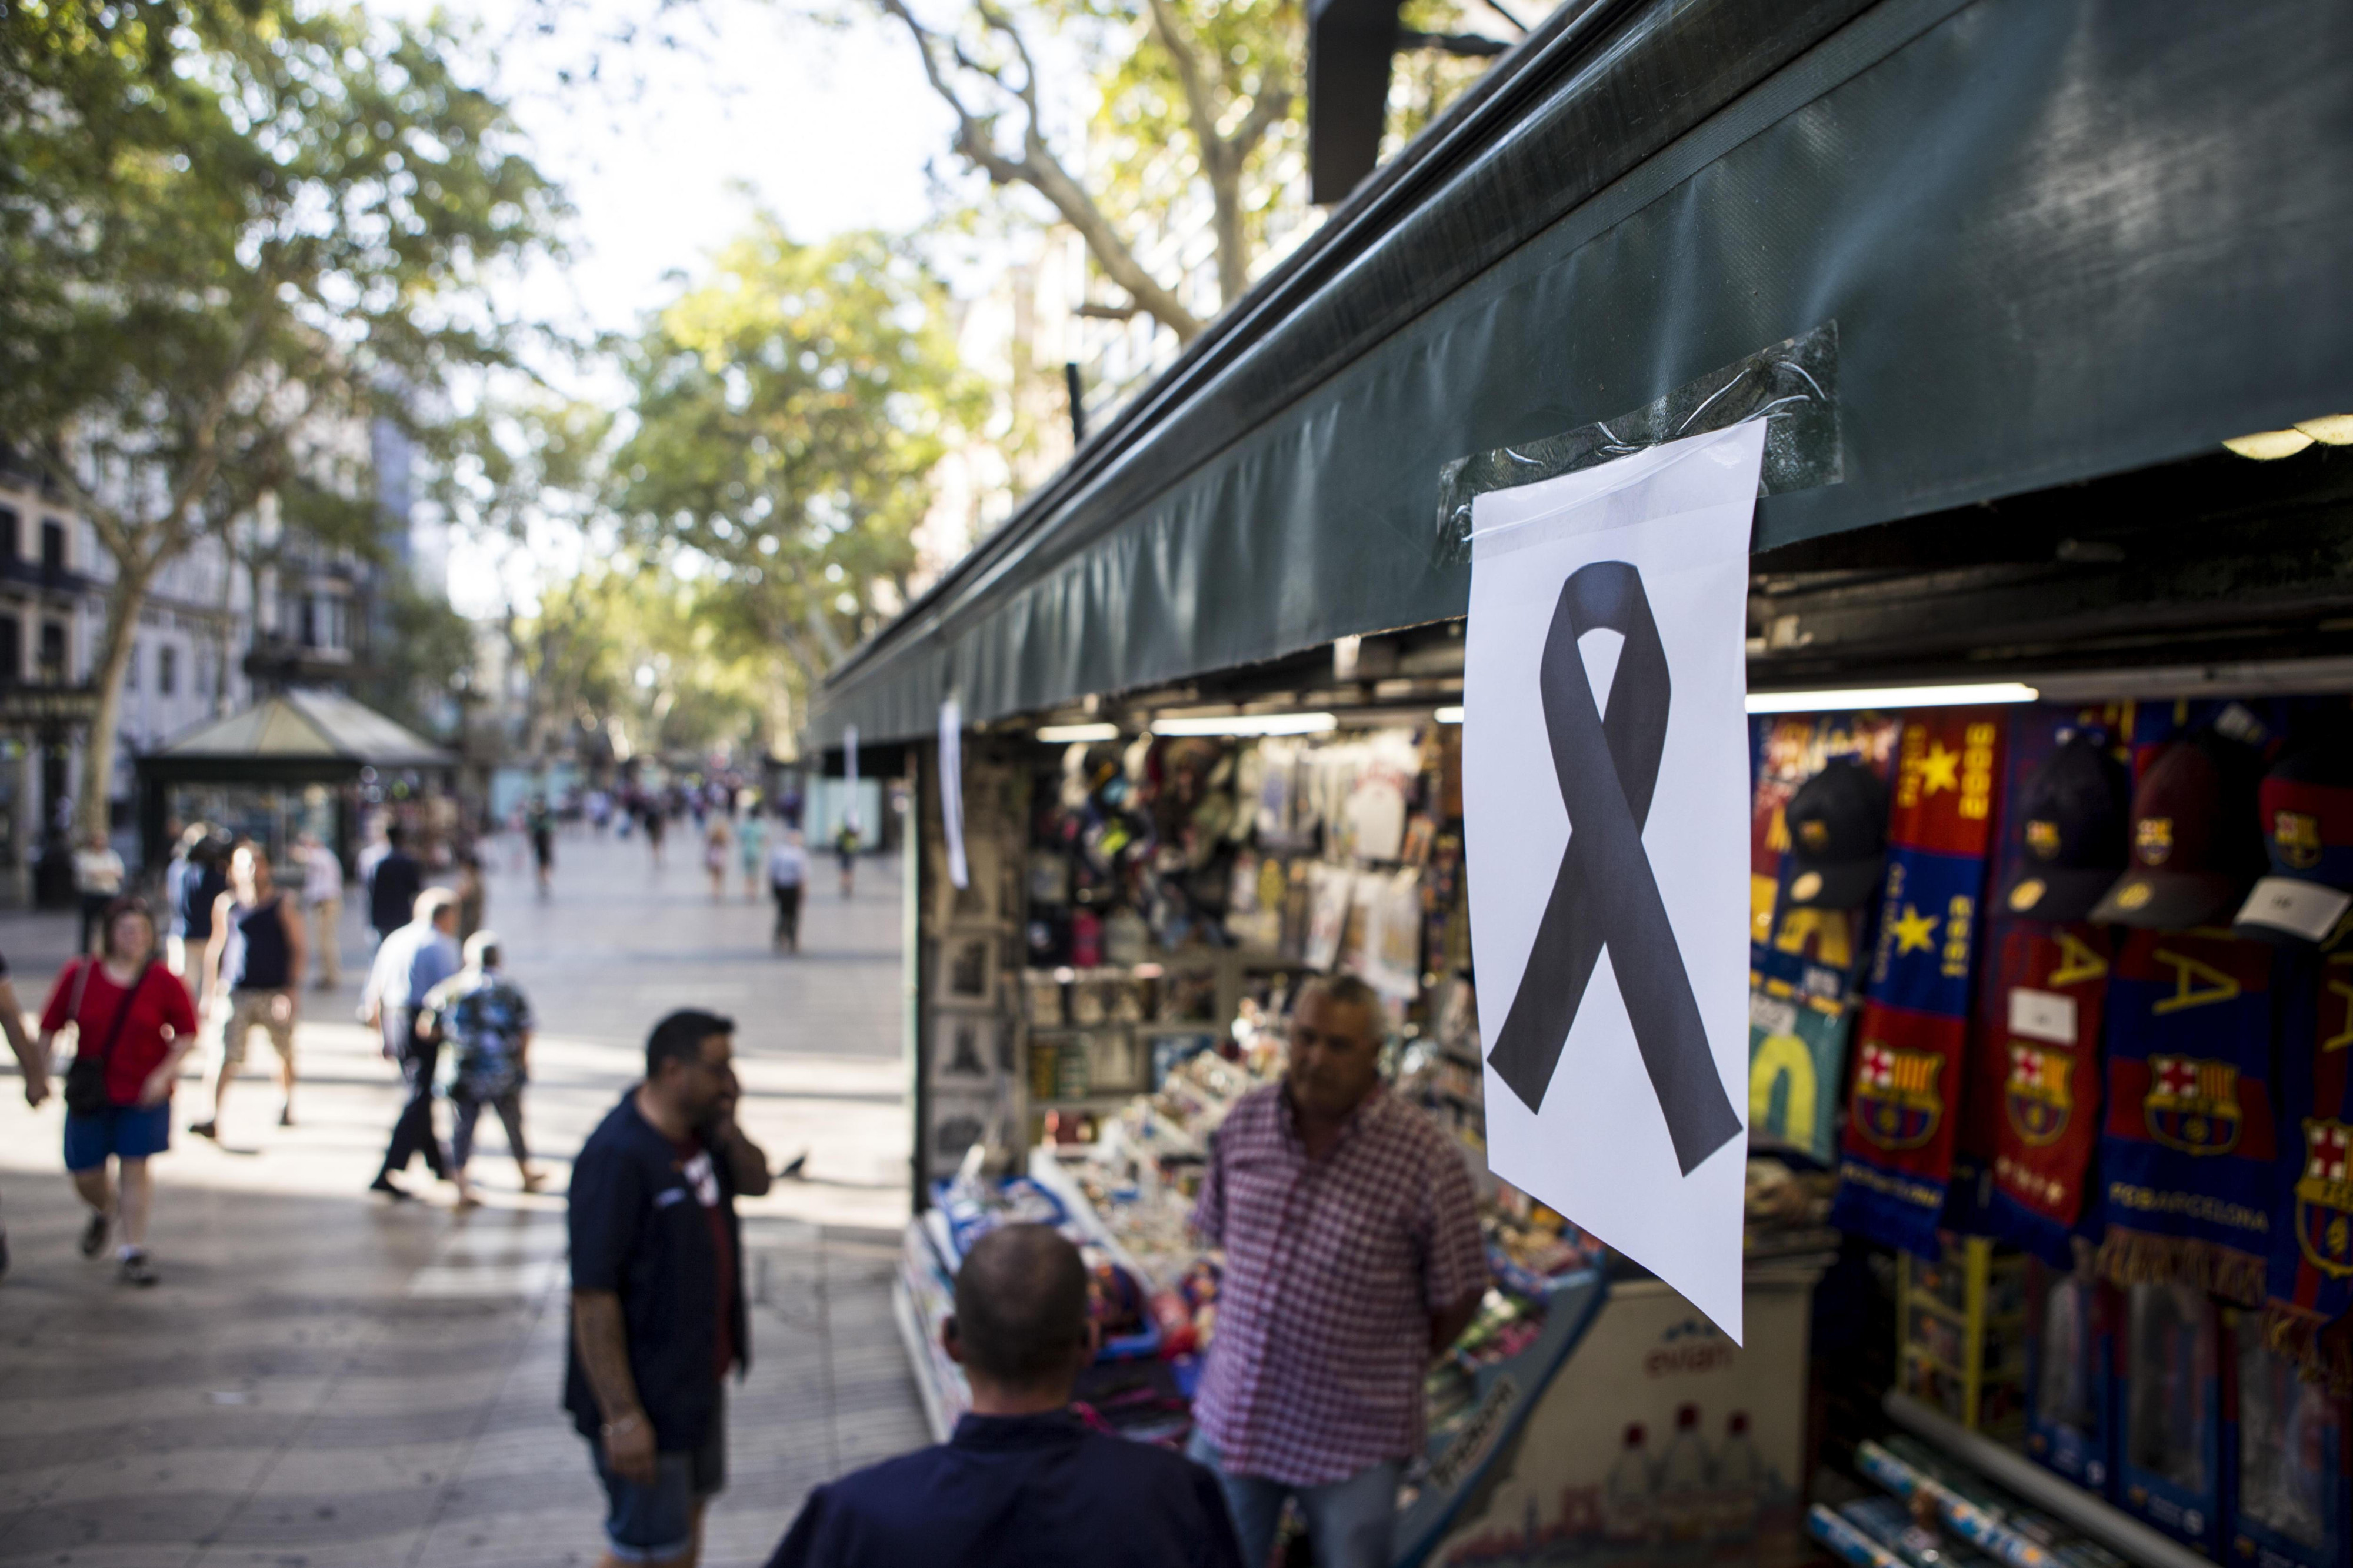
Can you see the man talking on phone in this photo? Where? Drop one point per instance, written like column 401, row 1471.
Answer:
column 658, row 1315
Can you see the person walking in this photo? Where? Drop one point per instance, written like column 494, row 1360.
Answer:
column 32, row 1062
column 176, row 872
column 752, row 850
column 322, row 902
column 393, row 884
column 655, row 823
column 542, row 828
column 203, row 878
column 133, row 1024
column 97, row 878
column 253, row 974
column 658, row 1316
column 1353, row 1256
column 485, row 1019
column 845, row 845
column 788, row 872
column 473, row 895
column 1023, row 1483
column 716, row 837
column 411, row 963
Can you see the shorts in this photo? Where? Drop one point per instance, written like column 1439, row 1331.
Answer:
column 655, row 1523
column 239, row 1016
column 125, row 1132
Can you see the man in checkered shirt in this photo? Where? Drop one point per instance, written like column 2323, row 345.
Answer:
column 1353, row 1255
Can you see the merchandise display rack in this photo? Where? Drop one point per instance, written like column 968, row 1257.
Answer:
column 1973, row 1300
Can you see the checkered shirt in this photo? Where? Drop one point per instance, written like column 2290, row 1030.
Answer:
column 1333, row 1270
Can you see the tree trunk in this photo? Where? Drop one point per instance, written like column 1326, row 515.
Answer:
column 125, row 597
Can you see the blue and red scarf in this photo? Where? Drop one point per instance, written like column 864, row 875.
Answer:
column 1897, row 1153
column 2312, row 1214
column 2188, row 1154
column 2038, row 1071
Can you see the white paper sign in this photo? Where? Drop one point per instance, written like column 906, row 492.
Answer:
column 952, row 787
column 2042, row 1016
column 1605, row 783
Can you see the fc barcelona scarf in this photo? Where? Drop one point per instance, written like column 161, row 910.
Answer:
column 2312, row 1215
column 2188, row 1150
column 2038, row 1039
column 1897, row 1153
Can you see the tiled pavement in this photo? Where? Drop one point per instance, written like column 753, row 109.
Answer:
column 322, row 1379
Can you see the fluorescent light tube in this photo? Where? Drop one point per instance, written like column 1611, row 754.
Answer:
column 1885, row 697
column 1062, row 734
column 1449, row 715
column 1249, row 724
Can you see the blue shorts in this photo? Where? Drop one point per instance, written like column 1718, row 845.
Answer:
column 125, row 1132
column 655, row 1523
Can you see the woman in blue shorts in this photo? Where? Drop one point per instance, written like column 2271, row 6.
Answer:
column 132, row 1016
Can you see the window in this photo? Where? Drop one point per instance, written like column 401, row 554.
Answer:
column 12, row 648
column 8, row 545
column 53, row 545
column 131, row 670
column 53, row 650
column 167, row 669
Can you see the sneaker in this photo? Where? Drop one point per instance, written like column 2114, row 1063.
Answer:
column 206, row 1129
column 93, row 1235
column 391, row 1189
column 137, row 1270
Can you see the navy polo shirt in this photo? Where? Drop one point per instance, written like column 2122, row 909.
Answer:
column 640, row 1230
column 1019, row 1492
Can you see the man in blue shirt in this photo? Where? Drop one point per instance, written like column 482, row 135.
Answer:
column 658, row 1315
column 411, row 963
column 1023, row 1483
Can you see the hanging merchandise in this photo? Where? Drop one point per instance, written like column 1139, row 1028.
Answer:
column 2306, row 816
column 2311, row 1276
column 2189, row 1149
column 2195, row 844
column 1797, row 1054
column 2070, row 1417
column 2285, row 1438
column 2170, row 1411
column 2038, row 1029
column 1897, row 1150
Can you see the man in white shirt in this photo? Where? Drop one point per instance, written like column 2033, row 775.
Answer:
column 787, row 870
column 322, row 900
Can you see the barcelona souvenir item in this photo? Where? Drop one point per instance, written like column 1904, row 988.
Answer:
column 2312, row 1222
column 2040, row 1029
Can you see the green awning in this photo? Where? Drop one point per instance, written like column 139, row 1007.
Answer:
column 294, row 736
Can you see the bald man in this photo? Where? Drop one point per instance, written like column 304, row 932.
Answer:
column 1023, row 1483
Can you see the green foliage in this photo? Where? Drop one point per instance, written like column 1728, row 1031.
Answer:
column 431, row 658
column 788, row 412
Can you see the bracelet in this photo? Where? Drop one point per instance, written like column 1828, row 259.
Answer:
column 614, row 1429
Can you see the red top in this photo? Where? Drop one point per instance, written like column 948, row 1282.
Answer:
column 159, row 1013
column 1333, row 1270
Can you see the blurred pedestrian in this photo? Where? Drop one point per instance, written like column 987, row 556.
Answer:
column 202, row 879
column 97, row 878
column 132, row 1024
column 322, row 900
column 658, row 1317
column 716, row 837
column 845, row 845
column 253, row 969
column 393, row 884
column 411, row 963
column 654, row 825
column 541, row 826
column 787, row 873
column 473, row 895
column 33, row 1062
column 752, row 847
column 485, row 1019
column 1023, row 1483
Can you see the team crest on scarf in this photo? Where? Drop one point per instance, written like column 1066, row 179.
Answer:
column 2193, row 1105
column 1895, row 1100
column 2037, row 1096
column 2297, row 835
column 2324, row 1199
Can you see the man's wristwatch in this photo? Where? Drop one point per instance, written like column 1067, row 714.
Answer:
column 626, row 1424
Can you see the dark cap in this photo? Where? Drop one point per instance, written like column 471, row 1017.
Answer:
column 2194, row 850
column 2306, row 812
column 2070, row 845
column 1838, row 836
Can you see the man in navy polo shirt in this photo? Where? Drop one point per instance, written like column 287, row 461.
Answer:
column 1023, row 1483
column 657, row 1290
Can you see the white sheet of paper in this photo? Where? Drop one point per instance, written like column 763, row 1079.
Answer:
column 952, row 787
column 1598, row 1151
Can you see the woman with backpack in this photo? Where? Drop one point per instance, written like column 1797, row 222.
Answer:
column 132, row 1024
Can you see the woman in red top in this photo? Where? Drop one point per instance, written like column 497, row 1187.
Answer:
column 143, row 1063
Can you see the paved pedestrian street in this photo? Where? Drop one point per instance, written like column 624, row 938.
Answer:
column 326, row 1378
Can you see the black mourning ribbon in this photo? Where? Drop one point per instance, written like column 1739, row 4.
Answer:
column 1605, row 894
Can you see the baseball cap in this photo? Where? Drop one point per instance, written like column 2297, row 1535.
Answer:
column 2194, row 848
column 2070, row 847
column 2306, row 812
column 1838, row 836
